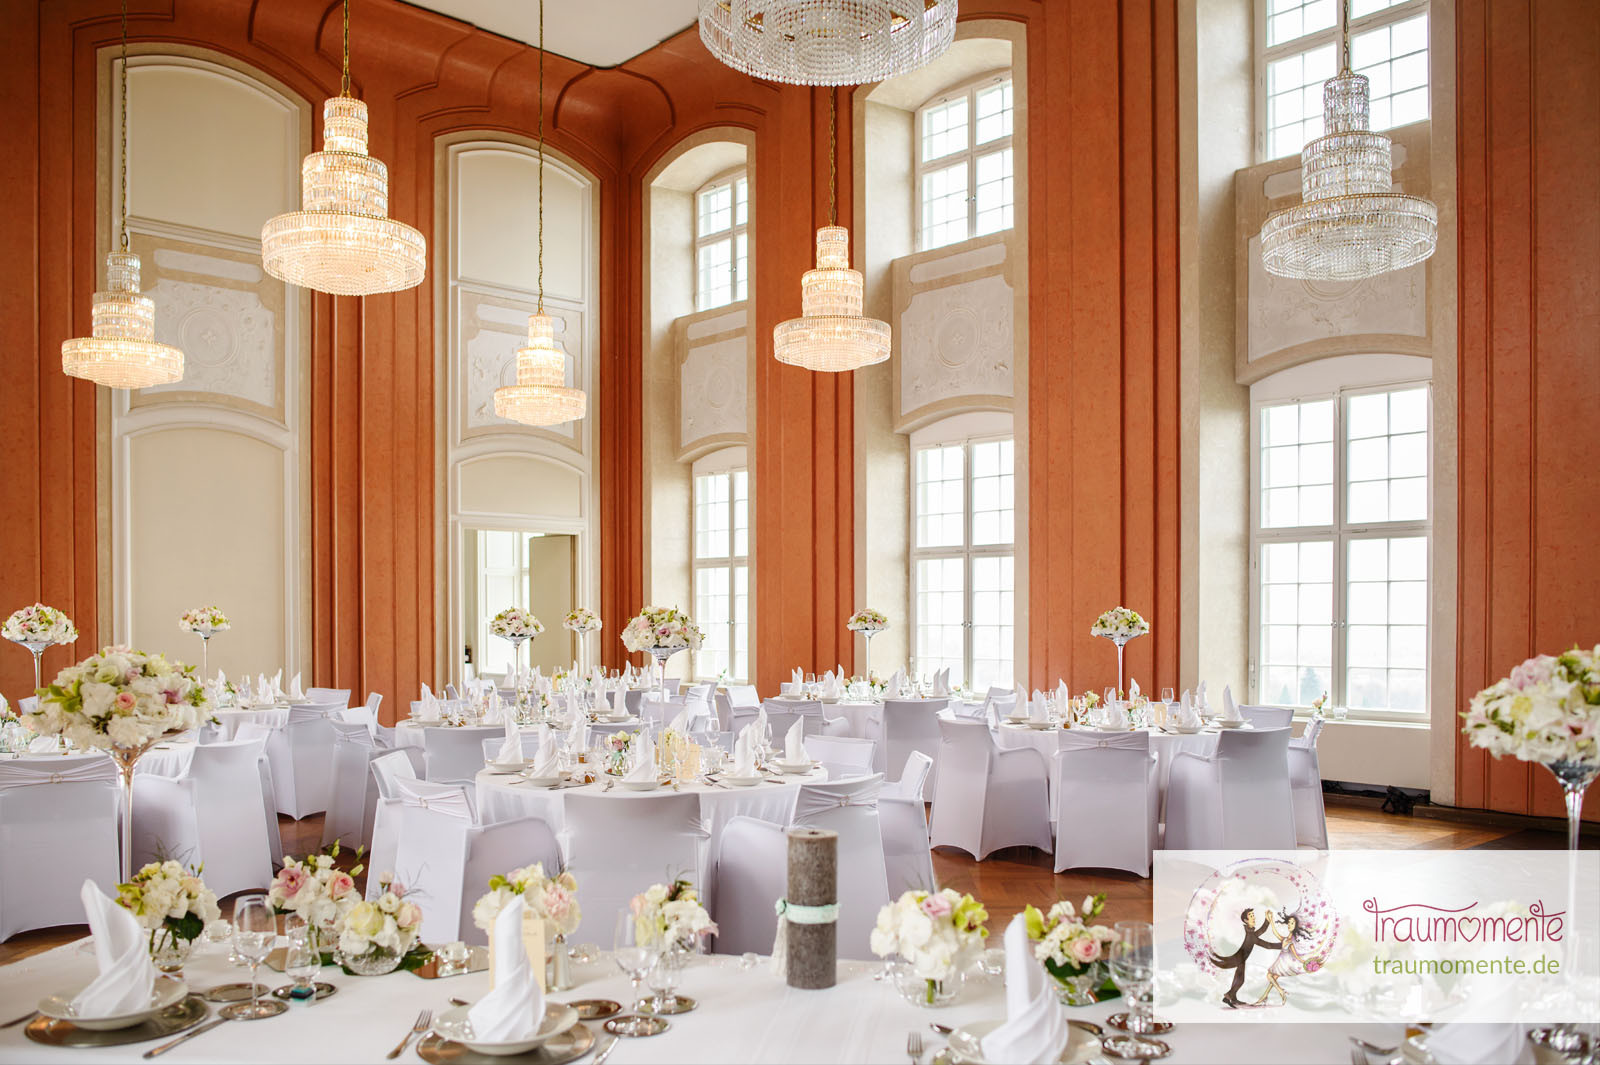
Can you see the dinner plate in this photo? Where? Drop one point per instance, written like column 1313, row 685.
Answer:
column 454, row 1025
column 1181, row 730
column 505, row 767
column 1042, row 725
column 796, row 767
column 547, row 781
column 1222, row 723
column 966, row 1044
column 168, row 991
column 639, row 785
column 740, row 782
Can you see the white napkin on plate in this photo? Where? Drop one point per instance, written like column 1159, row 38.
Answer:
column 547, row 763
column 1479, row 1044
column 1186, row 715
column 794, row 744
column 1200, row 701
column 744, row 753
column 277, row 682
column 122, row 950
column 619, row 702
column 430, row 705
column 896, row 682
column 797, row 678
column 43, row 744
column 515, row 1008
column 265, row 695
column 1230, row 711
column 680, row 723
column 1117, row 717
column 1035, row 1029
column 511, row 749
column 763, row 730
column 1133, row 690
column 578, row 734
column 1063, row 694
column 1037, row 711
column 833, row 687
column 644, row 759
column 941, row 682
column 296, row 693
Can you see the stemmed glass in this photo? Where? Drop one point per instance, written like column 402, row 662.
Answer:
column 255, row 929
column 635, row 960
column 300, row 961
column 1133, row 970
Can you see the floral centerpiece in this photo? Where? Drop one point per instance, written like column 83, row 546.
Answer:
column 515, row 623
column 1119, row 625
column 174, row 905
column 618, row 746
column 37, row 627
column 317, row 889
column 380, row 935
column 661, row 632
column 669, row 916
column 204, row 621
column 1547, row 711
column 1072, row 949
column 581, row 620
column 868, row 623
column 936, row 934
column 552, row 899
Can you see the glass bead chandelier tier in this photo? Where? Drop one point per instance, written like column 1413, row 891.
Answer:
column 827, row 42
column 1349, row 224
column 540, row 396
column 343, row 241
column 122, row 351
column 830, row 334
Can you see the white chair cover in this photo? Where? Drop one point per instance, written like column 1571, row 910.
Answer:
column 211, row 813
column 985, row 798
column 1107, row 800
column 1236, row 799
column 913, row 779
column 750, row 874
column 454, row 755
column 328, row 696
column 385, row 770
column 269, row 792
column 618, row 848
column 907, row 857
column 299, row 756
column 354, row 797
column 743, row 695
column 1305, row 783
column 850, row 808
column 724, row 711
column 1268, row 716
column 58, row 828
column 842, row 756
column 909, row 725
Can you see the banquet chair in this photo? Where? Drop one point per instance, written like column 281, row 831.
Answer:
column 909, row 725
column 618, row 846
column 42, row 804
column 269, row 795
column 211, row 814
column 451, row 693
column 299, row 756
column 28, row 704
column 1268, row 716
column 1237, row 797
column 452, row 755
column 842, row 756
column 908, row 860
column 850, row 808
column 354, row 793
column 1114, row 775
column 672, row 685
column 445, row 858
column 385, row 770
column 985, row 798
column 724, row 711
column 749, row 875
column 999, row 707
column 697, row 700
column 743, row 695
column 328, row 696
column 1305, row 785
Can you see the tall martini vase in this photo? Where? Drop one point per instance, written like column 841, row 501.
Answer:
column 1121, row 687
column 126, row 758
column 37, row 647
column 1568, row 1040
column 661, row 654
column 205, row 655
column 867, row 660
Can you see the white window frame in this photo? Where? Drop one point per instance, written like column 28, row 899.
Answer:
column 970, row 154
column 520, row 573
column 734, row 461
column 1334, row 34
column 731, row 235
column 966, row 552
column 1339, row 534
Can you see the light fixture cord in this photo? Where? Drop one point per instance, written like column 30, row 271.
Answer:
column 123, row 157
column 832, row 176
column 541, row 156
column 344, row 80
column 1344, row 34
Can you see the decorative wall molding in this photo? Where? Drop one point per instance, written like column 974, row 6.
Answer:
column 712, row 354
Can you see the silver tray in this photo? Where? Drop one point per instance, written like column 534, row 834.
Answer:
column 570, row 1045
column 181, row 1016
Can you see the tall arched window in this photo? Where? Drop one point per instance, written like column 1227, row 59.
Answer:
column 722, row 241
column 964, row 162
column 722, row 565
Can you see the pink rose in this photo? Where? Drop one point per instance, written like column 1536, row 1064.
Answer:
column 340, row 885
column 397, row 889
column 1085, row 950
column 936, row 906
column 636, row 905
column 1535, row 671
column 409, row 915
column 124, row 701
column 557, row 902
column 290, row 881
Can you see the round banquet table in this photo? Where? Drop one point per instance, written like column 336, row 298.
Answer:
column 229, row 720
column 859, row 716
column 166, row 759
column 411, row 733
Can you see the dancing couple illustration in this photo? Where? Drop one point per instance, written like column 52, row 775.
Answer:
column 1288, row 942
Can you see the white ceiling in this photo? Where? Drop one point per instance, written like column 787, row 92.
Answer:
column 601, row 33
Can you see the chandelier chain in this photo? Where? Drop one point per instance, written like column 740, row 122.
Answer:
column 832, row 176
column 1344, row 36
column 122, row 157
column 344, row 78
column 541, row 156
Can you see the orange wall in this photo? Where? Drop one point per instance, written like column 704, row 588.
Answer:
column 1528, row 174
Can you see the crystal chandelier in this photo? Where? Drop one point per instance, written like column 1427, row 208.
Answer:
column 122, row 351
column 1349, row 224
column 540, row 396
column 831, row 334
column 344, row 241
column 827, row 42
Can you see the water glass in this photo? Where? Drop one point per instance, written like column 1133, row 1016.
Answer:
column 255, row 929
column 1166, row 695
column 1133, row 970
column 635, row 960
column 301, row 960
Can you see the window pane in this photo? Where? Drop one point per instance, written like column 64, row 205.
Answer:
column 741, row 201
column 741, row 267
column 714, row 274
column 1296, row 653
column 1294, row 98
column 944, row 129
column 940, row 504
column 993, row 493
column 712, row 612
column 1297, row 464
column 740, row 493
column 1288, row 19
column 1386, row 640
column 1387, row 469
column 1395, row 60
column 715, row 210
column 740, row 670
column 712, row 515
column 994, row 192
column 944, row 206
column 940, row 639
column 993, row 618
column 994, row 112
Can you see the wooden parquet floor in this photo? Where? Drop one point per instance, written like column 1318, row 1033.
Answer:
column 1013, row 878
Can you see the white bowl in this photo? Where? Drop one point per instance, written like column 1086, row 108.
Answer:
column 453, row 1025
column 1224, row 723
column 796, row 767
column 639, row 785
column 168, row 991
column 966, row 1044
column 505, row 767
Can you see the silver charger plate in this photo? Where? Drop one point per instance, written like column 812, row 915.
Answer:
column 179, row 1017
column 477, row 962
column 233, row 992
column 324, row 990
column 570, row 1045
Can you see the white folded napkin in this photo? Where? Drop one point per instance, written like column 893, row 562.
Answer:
column 578, row 734
column 547, row 763
column 680, row 723
column 797, row 678
column 794, row 744
column 644, row 759
column 430, row 705
column 264, row 690
column 896, row 682
column 1230, row 711
column 515, row 1008
column 598, row 677
column 744, row 753
column 1035, row 1028
column 43, row 744
column 763, row 730
column 1133, row 689
column 1037, row 711
column 511, row 749
column 1479, row 1044
column 296, row 693
column 1187, row 718
column 1200, row 701
column 222, row 680
column 1063, row 694
column 941, row 685
column 122, row 950
column 1117, row 717
column 619, row 703
column 277, row 682
column 833, row 687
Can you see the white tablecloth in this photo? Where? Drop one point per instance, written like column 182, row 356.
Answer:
column 167, row 759
column 228, row 721
column 410, row 733
column 745, row 1015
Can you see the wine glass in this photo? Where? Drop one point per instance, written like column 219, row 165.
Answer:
column 635, row 959
column 301, row 960
column 1166, row 695
column 255, row 929
column 1133, row 970
column 1109, row 698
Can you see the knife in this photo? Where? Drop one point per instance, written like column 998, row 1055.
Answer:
column 600, row 1058
column 154, row 1052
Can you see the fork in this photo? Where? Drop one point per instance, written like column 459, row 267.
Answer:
column 424, row 1019
column 914, row 1047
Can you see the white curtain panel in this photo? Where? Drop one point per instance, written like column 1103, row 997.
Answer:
column 1237, row 798
column 44, row 802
